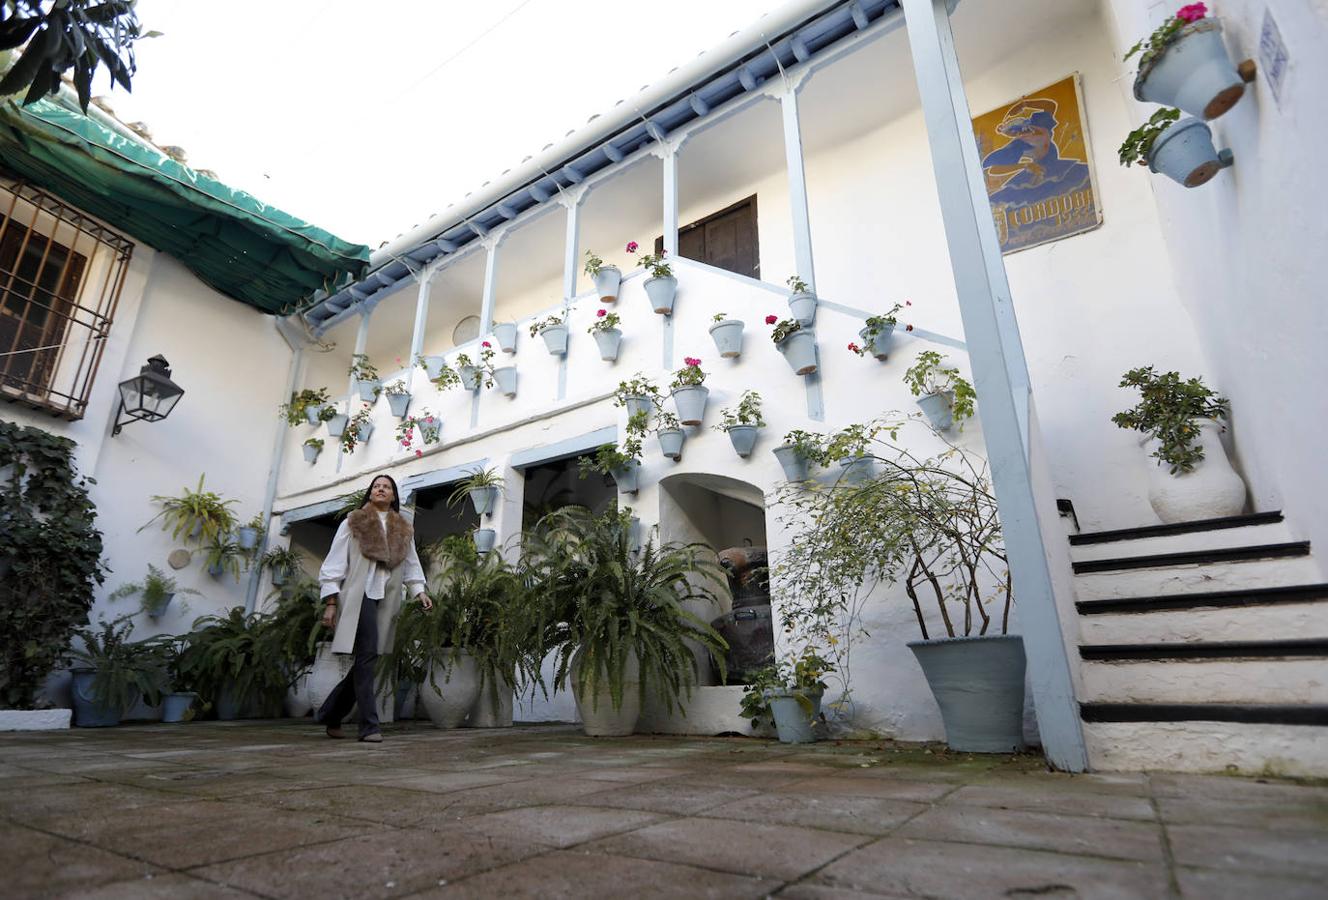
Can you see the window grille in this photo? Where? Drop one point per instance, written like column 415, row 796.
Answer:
column 61, row 273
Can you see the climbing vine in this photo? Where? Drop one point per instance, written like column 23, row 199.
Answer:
column 51, row 550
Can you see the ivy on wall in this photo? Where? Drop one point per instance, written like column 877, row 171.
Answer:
column 50, row 557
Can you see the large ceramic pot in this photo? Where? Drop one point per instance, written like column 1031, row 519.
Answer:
column 226, row 704
column 690, row 402
column 484, row 499
column 1193, row 73
column 177, row 707
column 296, row 703
column 671, row 441
column 369, row 390
column 433, row 366
column 505, row 333
column 327, row 671
column 1185, row 154
column 493, row 706
column 450, row 689
column 628, row 477
column 336, row 426
column 638, row 405
column 88, row 713
column 792, row 462
column 398, row 404
column 799, row 348
column 878, row 344
column 743, row 438
column 555, row 338
column 607, row 281
column 978, row 682
column 939, row 409
column 662, row 292
column 803, row 307
column 505, row 380
column 794, row 713
column 609, row 341
column 1210, row 491
column 599, row 718
column 727, row 336
column 485, row 538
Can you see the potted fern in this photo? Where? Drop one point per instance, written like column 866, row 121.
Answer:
column 198, row 515
column 482, row 486
column 281, row 563
column 944, row 395
column 236, row 663
column 110, row 673
column 607, row 278
column 222, row 556
column 615, row 620
column 607, row 334
column 157, row 590
column 742, row 422
column 248, row 534
column 1181, row 424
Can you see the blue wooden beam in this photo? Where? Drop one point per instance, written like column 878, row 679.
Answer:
column 539, row 193
column 506, row 211
column 860, row 20
column 800, row 50
column 572, row 174
column 655, row 131
column 747, row 79
column 613, row 153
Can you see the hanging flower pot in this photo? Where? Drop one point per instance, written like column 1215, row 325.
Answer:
column 671, row 441
column 607, row 281
column 743, row 438
column 280, row 575
column 485, row 538
column 505, row 380
column 792, row 462
column 690, row 402
column 939, row 409
column 802, row 304
column 799, row 348
column 433, row 366
column 470, row 377
column 877, row 340
column 336, row 426
column 216, row 570
column 857, row 468
column 609, row 341
column 628, row 477
column 1185, row 154
column 366, row 429
column 483, row 499
column 1193, row 73
column 641, row 404
column 555, row 338
column 661, row 293
column 505, row 333
column 311, row 452
column 157, row 608
column 247, row 537
column 313, row 414
column 369, row 390
column 727, row 335
column 398, row 404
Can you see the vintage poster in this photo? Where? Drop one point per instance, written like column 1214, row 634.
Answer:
column 1039, row 174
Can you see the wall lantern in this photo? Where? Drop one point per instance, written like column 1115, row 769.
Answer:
column 149, row 396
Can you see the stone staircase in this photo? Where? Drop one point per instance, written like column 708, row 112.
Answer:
column 1203, row 647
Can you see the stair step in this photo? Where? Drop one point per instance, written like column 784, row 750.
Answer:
column 1206, row 746
column 1198, row 525
column 1271, row 532
column 1248, row 713
column 1283, row 550
column 1298, row 648
column 1205, row 679
column 1270, row 621
column 1247, row 597
column 1174, row 580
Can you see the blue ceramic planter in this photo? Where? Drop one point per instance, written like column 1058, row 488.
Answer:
column 727, row 336
column 175, row 707
column 505, row 334
column 939, row 409
column 979, row 684
column 799, row 348
column 398, row 404
column 607, row 281
column 792, row 462
column 87, row 712
column 369, row 390
column 637, row 405
column 470, row 377
column 662, row 292
column 690, row 402
column 743, row 438
column 628, row 477
column 671, row 441
column 485, row 538
column 555, row 338
column 1185, row 154
column 505, row 380
column 878, row 344
column 609, row 341
column 1194, row 73
column 793, row 723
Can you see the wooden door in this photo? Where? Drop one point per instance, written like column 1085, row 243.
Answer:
column 726, row 239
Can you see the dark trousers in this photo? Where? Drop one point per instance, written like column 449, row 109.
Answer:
column 358, row 685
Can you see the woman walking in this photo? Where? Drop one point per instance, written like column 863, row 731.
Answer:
column 372, row 557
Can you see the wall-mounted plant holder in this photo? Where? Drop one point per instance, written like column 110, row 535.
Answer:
column 1185, row 154
column 1194, row 73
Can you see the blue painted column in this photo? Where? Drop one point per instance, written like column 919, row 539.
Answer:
column 669, row 155
column 999, row 373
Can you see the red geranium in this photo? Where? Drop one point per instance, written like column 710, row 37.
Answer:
column 1192, row 12
column 770, row 320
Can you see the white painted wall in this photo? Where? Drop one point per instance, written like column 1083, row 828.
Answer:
column 1245, row 251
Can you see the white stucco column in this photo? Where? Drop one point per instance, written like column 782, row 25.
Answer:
column 490, row 283
column 421, row 322
column 797, row 180
column 571, row 201
column 669, row 156
column 999, row 373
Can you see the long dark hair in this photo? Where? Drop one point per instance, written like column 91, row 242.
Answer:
column 396, row 493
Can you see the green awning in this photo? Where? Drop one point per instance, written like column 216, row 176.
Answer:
column 240, row 246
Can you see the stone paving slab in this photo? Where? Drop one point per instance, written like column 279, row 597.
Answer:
column 274, row 809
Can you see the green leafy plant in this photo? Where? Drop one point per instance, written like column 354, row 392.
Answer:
column 317, row 398
column 236, row 654
column 315, row 442
column 928, row 376
column 783, row 328
column 198, row 515
column 350, row 502
column 593, row 263
column 296, row 627
column 797, row 285
column 875, row 326
column 125, row 670
column 807, row 444
column 430, row 429
column 223, row 556
column 351, row 437
column 50, row 557
column 600, row 603
column 656, row 265
column 719, row 317
column 479, row 479
column 604, row 321
column 747, row 412
column 446, row 377
column 483, row 366
column 1166, row 33
column 282, row 559
column 547, row 322
column 804, row 679
column 666, row 421
column 1139, row 143
column 690, row 375
column 361, row 369
column 637, row 386
column 1170, row 410
column 396, row 388
column 612, row 458
column 156, row 590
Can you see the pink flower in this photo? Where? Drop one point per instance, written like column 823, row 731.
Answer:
column 852, row 346
column 601, row 314
column 1192, row 12
column 486, row 344
column 691, row 360
column 908, row 302
column 419, row 453
column 908, row 327
column 770, row 320
column 631, row 246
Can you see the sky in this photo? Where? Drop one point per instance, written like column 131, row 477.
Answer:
column 368, row 118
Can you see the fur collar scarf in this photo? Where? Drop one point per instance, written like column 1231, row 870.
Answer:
column 391, row 548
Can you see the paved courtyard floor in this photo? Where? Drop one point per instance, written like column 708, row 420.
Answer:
column 274, row 809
